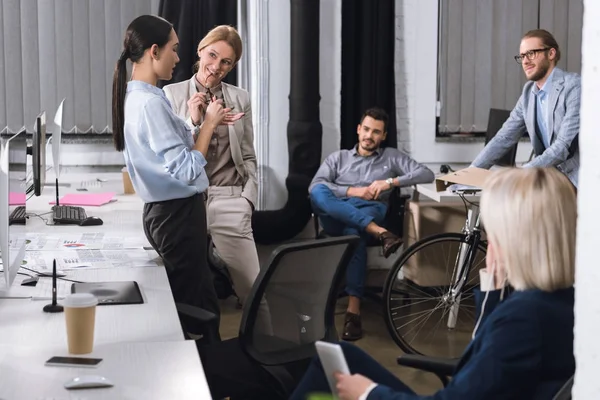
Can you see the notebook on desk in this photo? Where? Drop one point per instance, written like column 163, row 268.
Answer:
column 111, row 293
column 86, row 199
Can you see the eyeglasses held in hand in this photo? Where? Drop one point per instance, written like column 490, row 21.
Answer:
column 209, row 97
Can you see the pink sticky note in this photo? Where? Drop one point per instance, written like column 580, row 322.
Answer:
column 86, row 199
column 16, row 199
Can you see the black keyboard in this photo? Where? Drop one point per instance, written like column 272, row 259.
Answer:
column 68, row 215
column 17, row 216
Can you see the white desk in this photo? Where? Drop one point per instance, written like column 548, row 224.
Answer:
column 428, row 190
column 142, row 345
column 23, row 322
column 165, row 370
column 122, row 217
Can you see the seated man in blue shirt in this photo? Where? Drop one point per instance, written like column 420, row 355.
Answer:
column 349, row 194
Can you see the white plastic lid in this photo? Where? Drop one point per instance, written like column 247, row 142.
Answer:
column 80, row 300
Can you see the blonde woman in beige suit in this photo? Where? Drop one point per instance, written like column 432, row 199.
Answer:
column 231, row 157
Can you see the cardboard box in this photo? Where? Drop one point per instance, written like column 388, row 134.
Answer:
column 430, row 266
column 469, row 176
column 127, row 185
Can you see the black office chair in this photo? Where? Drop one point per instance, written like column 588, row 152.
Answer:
column 444, row 369
column 496, row 119
column 300, row 287
column 565, row 392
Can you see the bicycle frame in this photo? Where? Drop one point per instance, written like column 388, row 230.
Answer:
column 464, row 261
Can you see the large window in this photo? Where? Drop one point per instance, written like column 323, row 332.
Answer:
column 478, row 39
column 58, row 49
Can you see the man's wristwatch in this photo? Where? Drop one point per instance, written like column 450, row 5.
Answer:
column 390, row 181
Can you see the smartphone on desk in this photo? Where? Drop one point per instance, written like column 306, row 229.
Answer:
column 73, row 362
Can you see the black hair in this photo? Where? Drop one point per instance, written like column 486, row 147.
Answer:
column 377, row 114
column 141, row 34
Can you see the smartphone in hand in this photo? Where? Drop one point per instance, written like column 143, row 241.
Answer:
column 333, row 360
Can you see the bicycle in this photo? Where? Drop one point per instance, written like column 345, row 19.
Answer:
column 429, row 305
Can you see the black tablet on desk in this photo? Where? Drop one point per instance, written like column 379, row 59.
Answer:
column 111, row 293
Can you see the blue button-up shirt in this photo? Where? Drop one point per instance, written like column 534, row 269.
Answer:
column 542, row 109
column 159, row 147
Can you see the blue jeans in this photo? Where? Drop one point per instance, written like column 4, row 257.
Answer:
column 348, row 216
column 359, row 362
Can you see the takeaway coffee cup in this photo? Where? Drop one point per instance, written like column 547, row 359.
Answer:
column 80, row 316
column 127, row 185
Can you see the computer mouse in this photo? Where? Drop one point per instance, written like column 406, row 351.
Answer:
column 30, row 281
column 87, row 382
column 91, row 221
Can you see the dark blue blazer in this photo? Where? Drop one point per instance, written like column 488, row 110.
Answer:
column 522, row 350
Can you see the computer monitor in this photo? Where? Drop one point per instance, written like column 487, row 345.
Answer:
column 39, row 154
column 496, row 119
column 57, row 139
column 17, row 179
column 13, row 156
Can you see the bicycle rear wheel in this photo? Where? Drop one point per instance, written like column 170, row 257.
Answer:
column 418, row 296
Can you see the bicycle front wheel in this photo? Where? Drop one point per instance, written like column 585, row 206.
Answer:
column 425, row 310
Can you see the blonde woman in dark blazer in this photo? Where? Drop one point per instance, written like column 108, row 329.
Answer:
column 231, row 168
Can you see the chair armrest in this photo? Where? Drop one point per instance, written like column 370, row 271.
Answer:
column 438, row 366
column 565, row 392
column 197, row 313
column 316, row 226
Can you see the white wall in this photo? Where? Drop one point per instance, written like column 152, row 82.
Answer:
column 330, row 71
column 587, row 276
column 276, row 168
column 86, row 154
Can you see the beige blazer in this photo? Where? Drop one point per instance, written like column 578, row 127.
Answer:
column 241, row 135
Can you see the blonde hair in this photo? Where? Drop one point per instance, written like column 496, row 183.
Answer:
column 224, row 33
column 530, row 215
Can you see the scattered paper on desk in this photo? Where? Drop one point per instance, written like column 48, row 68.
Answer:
column 41, row 261
column 16, row 199
column 86, row 199
column 89, row 240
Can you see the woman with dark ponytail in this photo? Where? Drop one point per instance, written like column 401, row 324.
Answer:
column 166, row 164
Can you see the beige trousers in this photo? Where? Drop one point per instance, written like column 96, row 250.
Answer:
column 229, row 217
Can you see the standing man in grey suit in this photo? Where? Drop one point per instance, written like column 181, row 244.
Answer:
column 548, row 110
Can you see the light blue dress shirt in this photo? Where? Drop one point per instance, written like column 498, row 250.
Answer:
column 542, row 109
column 159, row 146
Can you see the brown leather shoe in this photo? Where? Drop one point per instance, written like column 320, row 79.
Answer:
column 352, row 327
column 389, row 243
